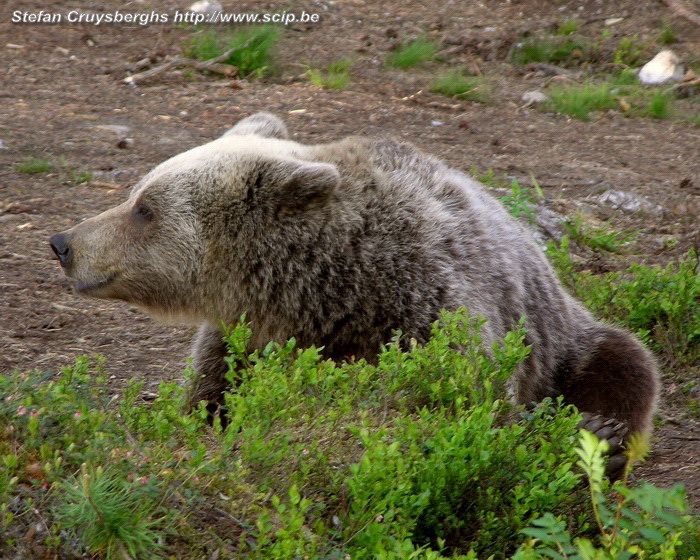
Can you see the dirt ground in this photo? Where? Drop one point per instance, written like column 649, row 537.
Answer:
column 62, row 98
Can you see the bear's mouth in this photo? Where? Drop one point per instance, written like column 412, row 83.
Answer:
column 89, row 288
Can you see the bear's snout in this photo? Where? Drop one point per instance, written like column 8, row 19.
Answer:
column 60, row 243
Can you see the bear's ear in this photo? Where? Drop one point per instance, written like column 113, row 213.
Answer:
column 305, row 186
column 263, row 124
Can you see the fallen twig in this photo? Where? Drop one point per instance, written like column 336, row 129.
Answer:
column 687, row 83
column 411, row 97
column 213, row 65
column 251, row 540
column 682, row 10
column 670, row 419
column 104, row 185
column 551, row 69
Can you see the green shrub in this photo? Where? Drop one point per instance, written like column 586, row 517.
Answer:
column 456, row 84
column 335, row 76
column 579, row 101
column 645, row 520
column 662, row 305
column 255, row 43
column 413, row 53
column 420, row 455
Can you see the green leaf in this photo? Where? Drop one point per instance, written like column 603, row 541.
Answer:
column 652, row 534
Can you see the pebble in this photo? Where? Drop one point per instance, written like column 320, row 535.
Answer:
column 205, row 7
column 116, row 128
column 532, row 97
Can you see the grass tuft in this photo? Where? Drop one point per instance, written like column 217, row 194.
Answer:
column 596, row 238
column 660, row 105
column 254, row 59
column 34, row 165
column 580, row 101
column 667, row 35
column 629, row 51
column 335, row 76
column 553, row 50
column 457, row 84
column 627, row 77
column 567, row 27
column 109, row 514
column 413, row 53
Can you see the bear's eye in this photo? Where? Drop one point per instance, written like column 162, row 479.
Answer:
column 142, row 211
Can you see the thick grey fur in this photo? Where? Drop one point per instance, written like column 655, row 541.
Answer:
column 340, row 244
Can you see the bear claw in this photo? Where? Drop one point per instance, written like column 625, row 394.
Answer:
column 613, row 431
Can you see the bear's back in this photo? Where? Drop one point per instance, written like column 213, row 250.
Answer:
column 447, row 243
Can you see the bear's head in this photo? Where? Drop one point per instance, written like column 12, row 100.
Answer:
column 199, row 221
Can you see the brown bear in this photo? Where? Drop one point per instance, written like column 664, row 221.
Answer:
column 338, row 245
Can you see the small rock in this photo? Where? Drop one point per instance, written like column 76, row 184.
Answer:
column 688, row 207
column 628, row 202
column 532, row 97
column 125, row 143
column 3, row 146
column 205, row 7
column 436, row 123
column 548, row 225
column 664, row 67
column 115, row 175
column 689, row 187
column 116, row 128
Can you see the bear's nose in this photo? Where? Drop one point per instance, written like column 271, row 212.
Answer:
column 60, row 243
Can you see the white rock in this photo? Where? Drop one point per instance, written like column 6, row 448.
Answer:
column 205, row 7
column 628, row 203
column 664, row 67
column 532, row 97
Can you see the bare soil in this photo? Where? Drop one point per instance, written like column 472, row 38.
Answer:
column 61, row 85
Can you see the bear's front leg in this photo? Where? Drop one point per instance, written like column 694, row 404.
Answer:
column 210, row 382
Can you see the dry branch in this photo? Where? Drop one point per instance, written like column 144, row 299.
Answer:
column 682, row 10
column 213, row 65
